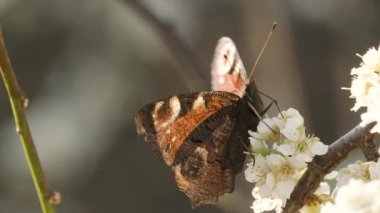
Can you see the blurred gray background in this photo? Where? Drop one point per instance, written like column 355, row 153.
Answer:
column 87, row 66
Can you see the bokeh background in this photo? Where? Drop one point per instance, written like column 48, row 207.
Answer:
column 87, row 66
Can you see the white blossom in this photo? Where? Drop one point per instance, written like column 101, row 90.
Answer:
column 267, row 132
column 365, row 87
column 372, row 114
column 295, row 142
column 356, row 197
column 323, row 189
column 275, row 177
column 290, row 118
column 281, row 148
column 262, row 204
column 374, row 170
column 282, row 178
column 304, row 148
column 371, row 59
column 256, row 173
column 357, row 189
column 357, row 170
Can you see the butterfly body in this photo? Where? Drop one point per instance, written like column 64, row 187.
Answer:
column 203, row 135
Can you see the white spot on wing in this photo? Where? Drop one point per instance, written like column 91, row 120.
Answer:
column 202, row 152
column 199, row 102
column 224, row 56
column 156, row 108
column 175, row 108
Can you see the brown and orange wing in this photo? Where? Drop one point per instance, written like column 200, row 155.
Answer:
column 192, row 133
column 168, row 122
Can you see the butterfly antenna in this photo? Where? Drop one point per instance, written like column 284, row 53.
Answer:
column 261, row 52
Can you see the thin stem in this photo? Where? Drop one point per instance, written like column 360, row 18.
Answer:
column 18, row 103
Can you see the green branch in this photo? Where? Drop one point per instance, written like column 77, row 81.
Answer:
column 18, row 103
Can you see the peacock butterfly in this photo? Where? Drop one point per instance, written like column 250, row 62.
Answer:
column 202, row 136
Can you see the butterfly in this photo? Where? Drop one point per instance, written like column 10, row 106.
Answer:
column 202, row 136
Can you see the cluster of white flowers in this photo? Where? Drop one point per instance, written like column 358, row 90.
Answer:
column 356, row 197
column 365, row 87
column 357, row 189
column 357, row 185
column 282, row 149
column 358, row 170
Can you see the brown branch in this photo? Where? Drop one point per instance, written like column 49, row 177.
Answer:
column 188, row 65
column 368, row 148
column 322, row 165
column 18, row 103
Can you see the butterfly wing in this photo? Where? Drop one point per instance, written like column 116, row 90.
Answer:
column 193, row 134
column 202, row 136
column 227, row 70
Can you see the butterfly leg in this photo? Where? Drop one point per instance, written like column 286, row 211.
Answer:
column 273, row 101
column 259, row 115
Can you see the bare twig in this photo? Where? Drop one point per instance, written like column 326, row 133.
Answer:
column 322, row 165
column 18, row 103
column 369, row 149
column 188, row 65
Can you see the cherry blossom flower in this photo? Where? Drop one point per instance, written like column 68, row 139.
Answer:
column 284, row 175
column 262, row 204
column 357, row 170
column 365, row 87
column 303, row 148
column 281, row 148
column 286, row 134
column 356, row 197
column 257, row 173
column 296, row 142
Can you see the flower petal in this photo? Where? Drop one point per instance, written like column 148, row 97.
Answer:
column 285, row 188
column 319, row 148
column 286, row 149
